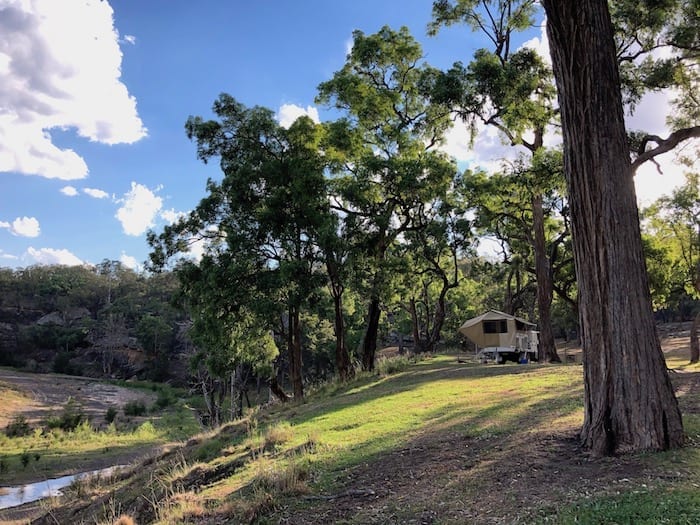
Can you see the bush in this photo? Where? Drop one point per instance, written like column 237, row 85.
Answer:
column 165, row 398
column 62, row 364
column 71, row 417
column 134, row 408
column 18, row 427
column 111, row 415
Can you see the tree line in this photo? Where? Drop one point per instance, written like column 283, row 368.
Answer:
column 368, row 206
column 323, row 241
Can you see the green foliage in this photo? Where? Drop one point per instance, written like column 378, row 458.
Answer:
column 111, row 415
column 393, row 365
column 672, row 246
column 54, row 337
column 71, row 417
column 25, row 458
column 209, row 450
column 18, row 427
column 166, row 397
column 134, row 408
column 62, row 364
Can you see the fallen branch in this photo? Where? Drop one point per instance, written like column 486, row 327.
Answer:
column 354, row 493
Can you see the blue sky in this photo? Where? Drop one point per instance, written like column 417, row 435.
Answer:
column 94, row 96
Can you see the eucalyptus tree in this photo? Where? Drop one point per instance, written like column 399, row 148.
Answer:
column 263, row 217
column 512, row 91
column 442, row 236
column 629, row 399
column 675, row 221
column 390, row 165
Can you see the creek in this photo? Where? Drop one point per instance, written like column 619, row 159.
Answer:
column 21, row 494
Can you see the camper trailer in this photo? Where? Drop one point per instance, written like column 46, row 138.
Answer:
column 502, row 337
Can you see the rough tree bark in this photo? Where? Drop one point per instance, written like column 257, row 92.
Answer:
column 629, row 399
column 294, row 344
column 369, row 342
column 545, row 285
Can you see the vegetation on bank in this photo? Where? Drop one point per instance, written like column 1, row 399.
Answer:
column 460, row 442
column 69, row 441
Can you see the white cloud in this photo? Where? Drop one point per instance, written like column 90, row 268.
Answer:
column 9, row 256
column 23, row 227
column 69, row 190
column 60, row 67
column 129, row 261
column 95, row 193
column 130, row 39
column 139, row 208
column 288, row 113
column 171, row 216
column 48, row 256
column 540, row 44
column 349, row 43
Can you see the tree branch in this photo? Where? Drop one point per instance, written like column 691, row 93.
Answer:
column 663, row 145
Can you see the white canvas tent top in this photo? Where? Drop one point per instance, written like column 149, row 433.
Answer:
column 498, row 329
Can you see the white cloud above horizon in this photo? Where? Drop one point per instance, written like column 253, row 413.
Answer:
column 7, row 256
column 22, row 227
column 70, row 191
column 171, row 216
column 49, row 256
column 140, row 206
column 95, row 193
column 60, row 68
column 288, row 113
column 129, row 261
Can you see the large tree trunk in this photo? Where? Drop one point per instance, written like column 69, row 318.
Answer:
column 415, row 326
column 342, row 358
column 629, row 399
column 369, row 342
column 294, row 337
column 545, row 286
column 438, row 321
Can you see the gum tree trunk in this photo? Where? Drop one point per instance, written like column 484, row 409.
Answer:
column 629, row 399
column 369, row 342
column 545, row 287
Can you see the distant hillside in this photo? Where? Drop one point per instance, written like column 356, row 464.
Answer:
column 103, row 321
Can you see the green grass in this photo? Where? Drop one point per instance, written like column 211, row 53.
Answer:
column 279, row 459
column 377, row 414
column 673, row 506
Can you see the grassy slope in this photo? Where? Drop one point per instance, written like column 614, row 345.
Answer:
column 436, row 441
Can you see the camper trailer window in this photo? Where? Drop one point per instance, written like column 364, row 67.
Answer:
column 496, row 327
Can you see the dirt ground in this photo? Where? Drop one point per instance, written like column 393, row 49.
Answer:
column 46, row 394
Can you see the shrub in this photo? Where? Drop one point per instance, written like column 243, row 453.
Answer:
column 393, row 365
column 111, row 415
column 165, row 398
column 18, row 427
column 278, row 435
column 70, row 418
column 134, row 408
column 26, row 456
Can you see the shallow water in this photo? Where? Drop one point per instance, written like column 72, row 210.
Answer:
column 21, row 494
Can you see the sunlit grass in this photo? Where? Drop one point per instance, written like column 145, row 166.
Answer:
column 299, row 449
